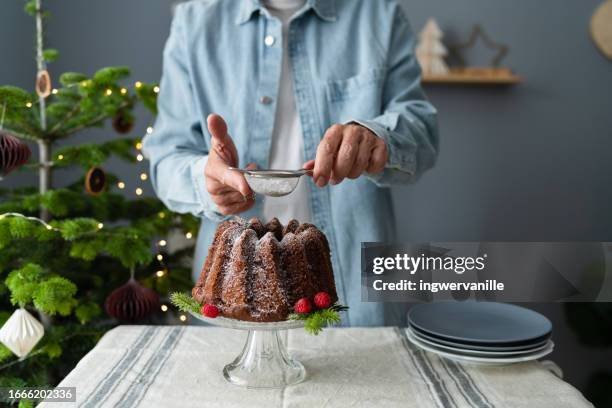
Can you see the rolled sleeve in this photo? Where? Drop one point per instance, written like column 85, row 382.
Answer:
column 177, row 149
column 408, row 124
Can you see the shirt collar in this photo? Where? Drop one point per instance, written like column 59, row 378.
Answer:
column 325, row 9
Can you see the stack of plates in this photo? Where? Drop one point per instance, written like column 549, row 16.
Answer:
column 480, row 332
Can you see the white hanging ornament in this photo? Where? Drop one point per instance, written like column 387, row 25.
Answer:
column 21, row 332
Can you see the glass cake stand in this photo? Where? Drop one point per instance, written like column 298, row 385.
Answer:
column 264, row 361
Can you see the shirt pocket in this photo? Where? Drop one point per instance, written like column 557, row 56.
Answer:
column 357, row 97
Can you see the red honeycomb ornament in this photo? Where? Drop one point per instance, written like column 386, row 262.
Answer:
column 131, row 302
column 13, row 153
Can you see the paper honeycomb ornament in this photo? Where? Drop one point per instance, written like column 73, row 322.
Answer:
column 21, row 332
column 131, row 302
column 13, row 153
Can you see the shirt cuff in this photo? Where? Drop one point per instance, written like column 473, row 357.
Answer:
column 396, row 160
column 198, row 178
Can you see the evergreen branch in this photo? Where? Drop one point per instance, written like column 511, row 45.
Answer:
column 184, row 302
column 90, row 123
column 19, row 134
column 314, row 322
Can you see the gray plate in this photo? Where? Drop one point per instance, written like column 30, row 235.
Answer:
column 480, row 323
column 476, row 347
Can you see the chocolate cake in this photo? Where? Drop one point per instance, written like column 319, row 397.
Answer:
column 258, row 272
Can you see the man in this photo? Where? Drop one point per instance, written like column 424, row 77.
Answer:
column 331, row 85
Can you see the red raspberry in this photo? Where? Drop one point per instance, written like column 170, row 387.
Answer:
column 302, row 306
column 322, row 300
column 210, row 311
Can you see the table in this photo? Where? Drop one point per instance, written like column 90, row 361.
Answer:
column 180, row 366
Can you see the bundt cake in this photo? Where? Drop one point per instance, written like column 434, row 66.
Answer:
column 258, row 272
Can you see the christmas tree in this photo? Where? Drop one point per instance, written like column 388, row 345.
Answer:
column 430, row 51
column 64, row 249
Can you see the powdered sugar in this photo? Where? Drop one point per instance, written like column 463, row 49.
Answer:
column 272, row 186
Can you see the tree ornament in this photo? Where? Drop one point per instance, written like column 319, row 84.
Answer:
column 43, row 84
column 430, row 51
column 21, row 332
column 95, row 181
column 131, row 302
column 13, row 153
column 123, row 123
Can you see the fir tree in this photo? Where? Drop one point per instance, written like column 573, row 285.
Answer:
column 64, row 249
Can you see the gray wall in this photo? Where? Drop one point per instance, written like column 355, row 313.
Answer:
column 524, row 163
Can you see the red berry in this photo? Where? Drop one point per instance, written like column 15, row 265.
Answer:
column 302, row 306
column 322, row 300
column 211, row 311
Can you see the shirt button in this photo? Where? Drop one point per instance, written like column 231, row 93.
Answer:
column 269, row 40
column 265, row 100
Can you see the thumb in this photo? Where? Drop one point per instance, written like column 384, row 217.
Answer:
column 217, row 128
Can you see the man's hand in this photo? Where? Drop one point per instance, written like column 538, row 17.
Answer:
column 229, row 189
column 347, row 151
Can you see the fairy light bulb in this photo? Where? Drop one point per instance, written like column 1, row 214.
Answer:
column 149, row 130
column 160, row 273
column 100, row 225
column 49, row 227
column 161, row 214
column 138, row 84
column 109, row 92
column 139, row 145
column 160, row 257
column 162, row 242
column 164, row 308
column 140, row 157
column 54, row 91
column 156, row 89
column 29, row 104
column 189, row 235
column 60, row 157
column 139, row 191
column 143, row 176
column 123, row 91
column 183, row 318
column 121, row 185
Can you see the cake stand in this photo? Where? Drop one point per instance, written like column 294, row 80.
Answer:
column 264, row 361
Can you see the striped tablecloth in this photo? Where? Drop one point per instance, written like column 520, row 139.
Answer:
column 180, row 366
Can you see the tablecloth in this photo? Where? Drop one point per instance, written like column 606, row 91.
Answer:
column 180, row 366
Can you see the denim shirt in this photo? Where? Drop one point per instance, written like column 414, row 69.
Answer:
column 352, row 60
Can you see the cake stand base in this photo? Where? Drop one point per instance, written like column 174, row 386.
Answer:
column 264, row 361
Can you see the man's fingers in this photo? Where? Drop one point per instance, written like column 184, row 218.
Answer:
column 229, row 199
column 347, row 153
column 378, row 160
column 309, row 165
column 326, row 152
column 236, row 181
column 237, row 208
column 363, row 156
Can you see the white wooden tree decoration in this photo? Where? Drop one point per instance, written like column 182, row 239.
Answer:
column 430, row 51
column 21, row 332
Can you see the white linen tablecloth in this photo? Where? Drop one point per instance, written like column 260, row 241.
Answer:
column 180, row 366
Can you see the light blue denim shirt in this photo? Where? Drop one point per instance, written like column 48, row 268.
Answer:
column 352, row 60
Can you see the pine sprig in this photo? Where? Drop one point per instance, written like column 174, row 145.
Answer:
column 314, row 322
column 184, row 302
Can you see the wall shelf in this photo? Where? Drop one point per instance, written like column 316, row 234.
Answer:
column 474, row 76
